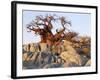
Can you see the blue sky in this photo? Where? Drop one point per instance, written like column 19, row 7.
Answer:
column 81, row 23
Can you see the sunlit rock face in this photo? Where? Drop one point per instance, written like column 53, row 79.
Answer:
column 88, row 63
column 70, row 55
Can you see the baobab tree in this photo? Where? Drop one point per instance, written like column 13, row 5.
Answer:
column 46, row 22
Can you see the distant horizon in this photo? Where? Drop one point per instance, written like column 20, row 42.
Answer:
column 81, row 23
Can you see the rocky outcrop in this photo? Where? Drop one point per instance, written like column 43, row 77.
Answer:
column 39, row 55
